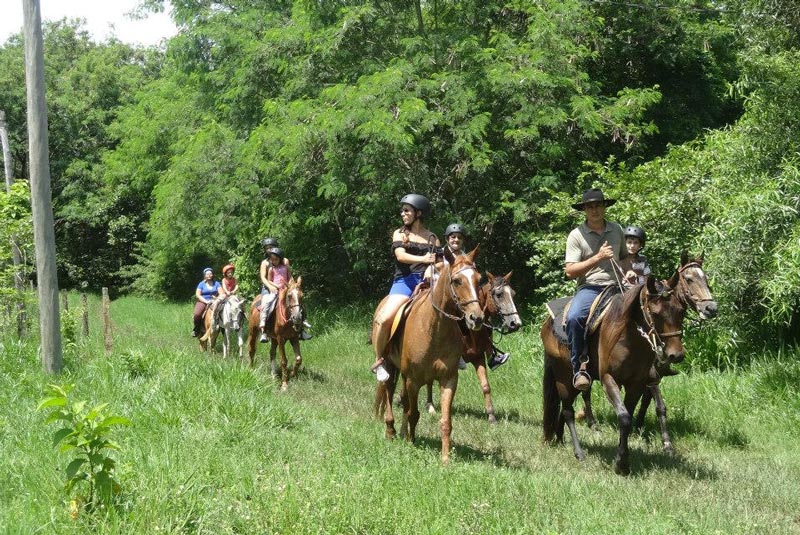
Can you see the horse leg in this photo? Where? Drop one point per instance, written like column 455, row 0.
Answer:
column 388, row 394
column 298, row 359
column 226, row 340
column 273, row 368
column 240, row 339
column 647, row 397
column 483, row 378
column 447, row 393
column 411, row 409
column 251, row 346
column 429, row 402
column 587, row 413
column 568, row 417
column 284, row 366
column 654, row 392
column 621, row 463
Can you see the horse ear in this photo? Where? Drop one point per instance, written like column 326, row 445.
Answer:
column 490, row 276
column 508, row 276
column 299, row 281
column 673, row 282
column 448, row 255
column 472, row 254
column 651, row 285
column 684, row 257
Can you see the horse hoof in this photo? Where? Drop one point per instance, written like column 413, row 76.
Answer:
column 668, row 449
column 431, row 409
column 284, row 387
column 621, row 469
column 492, row 419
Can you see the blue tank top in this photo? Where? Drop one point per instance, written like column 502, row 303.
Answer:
column 208, row 292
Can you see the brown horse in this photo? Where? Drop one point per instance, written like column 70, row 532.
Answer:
column 430, row 344
column 497, row 300
column 694, row 292
column 286, row 323
column 641, row 326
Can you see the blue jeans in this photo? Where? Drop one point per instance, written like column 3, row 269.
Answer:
column 576, row 322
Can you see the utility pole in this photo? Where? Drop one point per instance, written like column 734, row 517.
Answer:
column 16, row 255
column 41, row 201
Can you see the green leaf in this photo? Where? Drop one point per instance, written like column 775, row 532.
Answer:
column 61, row 434
column 95, row 412
column 113, row 420
column 74, row 466
column 52, row 402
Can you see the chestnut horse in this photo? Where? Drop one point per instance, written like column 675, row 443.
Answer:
column 497, row 300
column 430, row 344
column 642, row 325
column 694, row 292
column 286, row 323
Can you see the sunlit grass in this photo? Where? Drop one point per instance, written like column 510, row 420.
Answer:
column 215, row 448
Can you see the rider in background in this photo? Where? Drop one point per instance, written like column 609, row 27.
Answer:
column 205, row 293
column 230, row 286
column 592, row 249
column 635, row 266
column 274, row 275
column 455, row 235
column 268, row 244
column 411, row 246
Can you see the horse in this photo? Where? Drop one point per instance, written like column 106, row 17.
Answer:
column 430, row 344
column 496, row 299
column 233, row 320
column 642, row 326
column 694, row 292
column 286, row 323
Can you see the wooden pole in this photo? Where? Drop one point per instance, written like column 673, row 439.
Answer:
column 85, row 315
column 106, row 308
column 16, row 254
column 41, row 200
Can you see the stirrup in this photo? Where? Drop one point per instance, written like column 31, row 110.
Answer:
column 581, row 374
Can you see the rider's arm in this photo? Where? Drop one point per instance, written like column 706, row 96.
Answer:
column 199, row 296
column 268, row 281
column 403, row 257
column 262, row 273
column 573, row 270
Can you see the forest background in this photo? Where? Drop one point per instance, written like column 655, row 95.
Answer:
column 308, row 120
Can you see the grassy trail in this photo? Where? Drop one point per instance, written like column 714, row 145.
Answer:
column 215, row 448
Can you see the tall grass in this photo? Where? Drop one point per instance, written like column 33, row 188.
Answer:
column 215, row 448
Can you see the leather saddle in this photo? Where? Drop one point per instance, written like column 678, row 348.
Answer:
column 559, row 308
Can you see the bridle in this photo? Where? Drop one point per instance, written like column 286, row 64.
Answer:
column 284, row 310
column 497, row 312
column 685, row 294
column 459, row 304
column 651, row 334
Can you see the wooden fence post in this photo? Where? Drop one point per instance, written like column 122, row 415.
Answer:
column 107, row 339
column 85, row 315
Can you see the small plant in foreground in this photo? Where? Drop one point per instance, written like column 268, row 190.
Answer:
column 85, row 435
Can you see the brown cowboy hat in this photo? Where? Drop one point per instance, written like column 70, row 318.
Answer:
column 593, row 195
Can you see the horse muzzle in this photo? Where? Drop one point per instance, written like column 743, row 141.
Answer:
column 707, row 309
column 474, row 321
column 513, row 324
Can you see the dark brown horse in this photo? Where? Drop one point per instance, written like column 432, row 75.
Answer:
column 694, row 292
column 285, row 324
column 641, row 326
column 497, row 300
column 430, row 344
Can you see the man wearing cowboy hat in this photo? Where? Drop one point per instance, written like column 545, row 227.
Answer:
column 591, row 249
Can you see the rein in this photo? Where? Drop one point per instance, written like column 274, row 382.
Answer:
column 459, row 305
column 653, row 337
column 685, row 295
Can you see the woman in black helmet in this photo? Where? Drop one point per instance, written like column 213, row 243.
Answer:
column 411, row 246
column 271, row 244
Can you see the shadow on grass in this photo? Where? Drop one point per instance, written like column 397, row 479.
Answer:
column 463, row 452
column 511, row 415
column 646, row 462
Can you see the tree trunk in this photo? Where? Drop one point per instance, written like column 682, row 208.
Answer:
column 16, row 255
column 41, row 201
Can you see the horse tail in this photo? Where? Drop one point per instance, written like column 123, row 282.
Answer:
column 380, row 399
column 551, row 402
column 206, row 336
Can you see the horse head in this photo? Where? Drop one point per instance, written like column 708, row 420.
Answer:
column 693, row 286
column 293, row 300
column 501, row 301
column 464, row 281
column 663, row 313
column 233, row 314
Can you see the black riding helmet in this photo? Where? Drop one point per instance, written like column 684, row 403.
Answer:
column 269, row 242
column 277, row 251
column 452, row 228
column 632, row 231
column 419, row 202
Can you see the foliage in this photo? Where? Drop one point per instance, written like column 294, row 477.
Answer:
column 85, row 434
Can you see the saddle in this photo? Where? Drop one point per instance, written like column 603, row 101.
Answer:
column 559, row 308
column 405, row 309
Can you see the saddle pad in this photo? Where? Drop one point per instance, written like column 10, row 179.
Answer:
column 405, row 308
column 559, row 308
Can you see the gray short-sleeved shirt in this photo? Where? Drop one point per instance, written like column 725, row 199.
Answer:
column 583, row 243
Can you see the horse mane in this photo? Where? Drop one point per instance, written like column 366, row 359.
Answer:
column 620, row 310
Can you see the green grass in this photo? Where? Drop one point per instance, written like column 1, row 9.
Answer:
column 216, row 448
